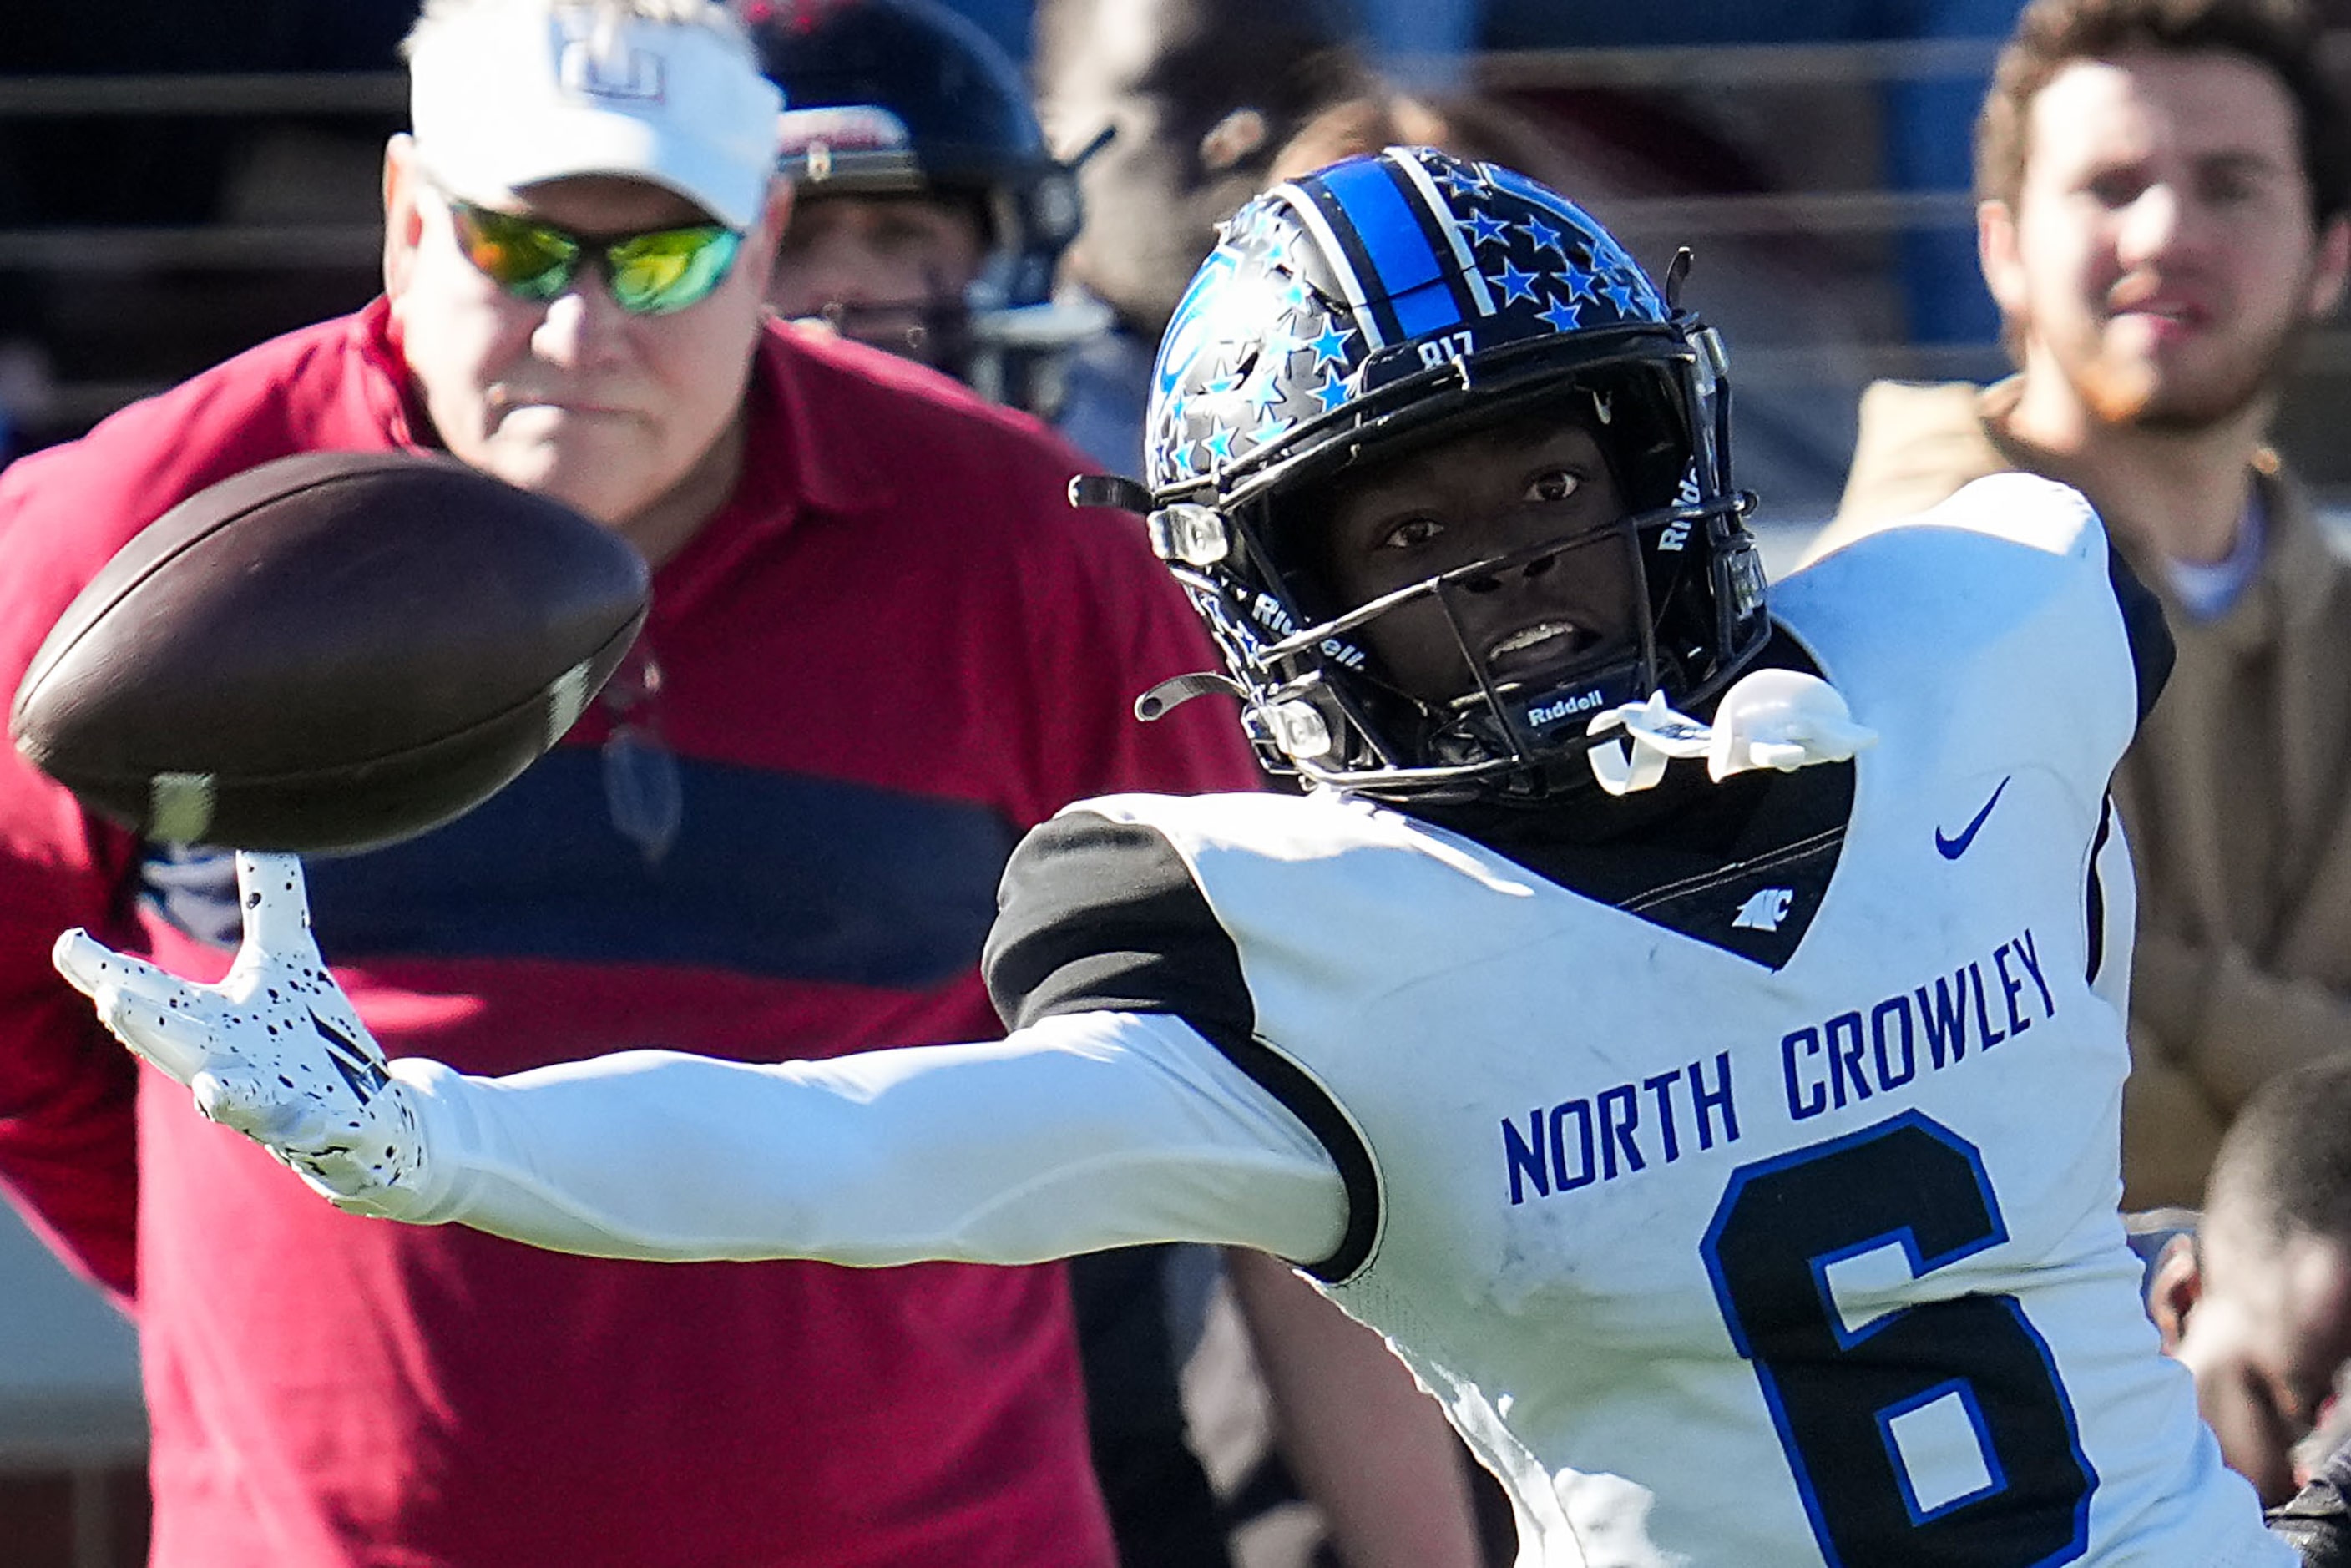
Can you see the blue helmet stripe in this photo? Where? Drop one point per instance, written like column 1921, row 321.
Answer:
column 1409, row 284
column 1435, row 211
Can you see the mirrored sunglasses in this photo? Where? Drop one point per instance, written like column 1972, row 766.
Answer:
column 650, row 273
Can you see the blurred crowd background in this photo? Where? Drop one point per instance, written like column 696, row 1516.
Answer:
column 194, row 176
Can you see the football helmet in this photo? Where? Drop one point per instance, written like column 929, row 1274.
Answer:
column 906, row 97
column 1403, row 297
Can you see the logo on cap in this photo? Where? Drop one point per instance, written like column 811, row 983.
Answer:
column 615, row 71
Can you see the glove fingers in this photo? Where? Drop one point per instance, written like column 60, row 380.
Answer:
column 147, row 1010
column 276, row 906
column 89, row 965
column 181, row 1046
column 241, row 1102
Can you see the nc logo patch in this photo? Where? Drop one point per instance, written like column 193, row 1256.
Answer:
column 1764, row 911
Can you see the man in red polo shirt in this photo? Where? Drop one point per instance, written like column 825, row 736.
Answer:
column 881, row 648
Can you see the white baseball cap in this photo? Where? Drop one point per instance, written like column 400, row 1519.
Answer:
column 505, row 93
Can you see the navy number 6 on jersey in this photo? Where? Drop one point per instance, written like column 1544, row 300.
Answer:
column 1934, row 1434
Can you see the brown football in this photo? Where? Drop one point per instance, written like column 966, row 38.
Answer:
column 328, row 653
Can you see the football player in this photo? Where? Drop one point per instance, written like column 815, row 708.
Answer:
column 1690, row 1028
column 928, row 215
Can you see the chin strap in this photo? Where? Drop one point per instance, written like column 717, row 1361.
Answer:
column 1772, row 719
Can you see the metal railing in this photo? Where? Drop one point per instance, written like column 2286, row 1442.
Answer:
column 237, row 95
column 338, row 242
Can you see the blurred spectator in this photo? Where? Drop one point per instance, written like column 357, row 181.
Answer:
column 2163, row 188
column 1197, row 96
column 1178, row 108
column 929, row 219
column 2256, row 1300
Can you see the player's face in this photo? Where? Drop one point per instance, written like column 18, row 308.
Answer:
column 615, row 412
column 879, row 268
column 2264, row 1339
column 2161, row 252
column 1400, row 522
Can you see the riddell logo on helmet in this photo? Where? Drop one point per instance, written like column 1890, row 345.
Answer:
column 1269, row 613
column 1545, row 714
column 1677, row 532
column 1271, row 616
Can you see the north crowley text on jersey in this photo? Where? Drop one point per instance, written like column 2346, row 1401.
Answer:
column 1854, row 1056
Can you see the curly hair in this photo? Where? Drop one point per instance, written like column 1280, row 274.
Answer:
column 2283, row 36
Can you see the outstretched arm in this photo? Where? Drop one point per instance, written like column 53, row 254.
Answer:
column 1077, row 1133
column 275, row 1050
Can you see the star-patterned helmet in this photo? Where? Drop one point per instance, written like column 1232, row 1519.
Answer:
column 1403, row 297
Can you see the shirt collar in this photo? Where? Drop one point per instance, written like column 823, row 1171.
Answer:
column 2205, row 590
column 830, row 462
column 2293, row 579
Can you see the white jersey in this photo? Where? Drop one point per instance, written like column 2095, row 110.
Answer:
column 1747, row 1199
column 1791, row 1241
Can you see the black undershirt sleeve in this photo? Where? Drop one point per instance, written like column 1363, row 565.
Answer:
column 2096, row 897
column 1095, row 915
column 2152, row 652
column 2151, row 648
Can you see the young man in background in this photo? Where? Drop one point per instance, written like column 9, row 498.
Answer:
column 2162, row 193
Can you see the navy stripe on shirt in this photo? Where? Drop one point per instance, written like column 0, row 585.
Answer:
column 776, row 875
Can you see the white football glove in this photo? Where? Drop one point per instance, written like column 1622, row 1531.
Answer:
column 275, row 1050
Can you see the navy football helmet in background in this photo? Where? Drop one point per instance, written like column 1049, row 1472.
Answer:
column 905, row 97
column 1401, row 297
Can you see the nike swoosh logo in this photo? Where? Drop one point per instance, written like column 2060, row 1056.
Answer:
column 1954, row 848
